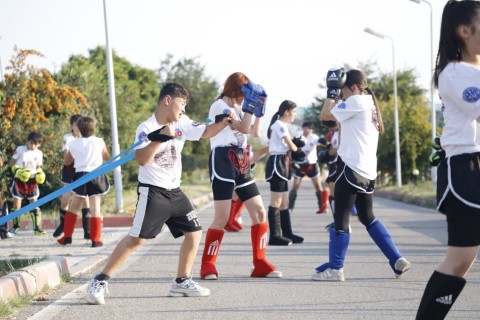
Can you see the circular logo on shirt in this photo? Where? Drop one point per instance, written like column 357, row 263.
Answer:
column 142, row 135
column 471, row 94
column 342, row 105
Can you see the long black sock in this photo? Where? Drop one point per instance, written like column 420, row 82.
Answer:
column 439, row 296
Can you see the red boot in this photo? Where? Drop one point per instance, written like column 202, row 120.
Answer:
column 68, row 228
column 96, row 231
column 210, row 252
column 324, row 200
column 262, row 267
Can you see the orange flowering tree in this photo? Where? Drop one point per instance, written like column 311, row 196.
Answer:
column 31, row 100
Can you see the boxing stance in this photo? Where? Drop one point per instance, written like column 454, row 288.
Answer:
column 278, row 173
column 311, row 169
column 360, row 122
column 230, row 171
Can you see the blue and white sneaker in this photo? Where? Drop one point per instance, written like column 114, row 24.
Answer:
column 187, row 288
column 96, row 291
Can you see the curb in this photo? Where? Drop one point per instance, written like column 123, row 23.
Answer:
column 48, row 273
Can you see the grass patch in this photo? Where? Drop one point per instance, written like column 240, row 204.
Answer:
column 422, row 194
column 7, row 308
column 11, row 265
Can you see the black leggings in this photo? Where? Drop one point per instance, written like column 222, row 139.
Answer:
column 345, row 196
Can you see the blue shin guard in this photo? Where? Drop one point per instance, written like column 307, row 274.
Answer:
column 384, row 241
column 337, row 249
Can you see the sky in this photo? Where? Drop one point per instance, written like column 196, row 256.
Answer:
column 287, row 46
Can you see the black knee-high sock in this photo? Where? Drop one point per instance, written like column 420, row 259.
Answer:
column 439, row 296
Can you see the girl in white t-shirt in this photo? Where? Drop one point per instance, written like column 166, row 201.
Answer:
column 278, row 173
column 86, row 153
column 360, row 124
column 457, row 77
column 230, row 171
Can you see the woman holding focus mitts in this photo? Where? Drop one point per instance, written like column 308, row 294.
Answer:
column 230, row 171
column 457, row 77
column 360, row 124
column 278, row 173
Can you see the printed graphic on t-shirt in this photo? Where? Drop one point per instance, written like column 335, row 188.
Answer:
column 166, row 158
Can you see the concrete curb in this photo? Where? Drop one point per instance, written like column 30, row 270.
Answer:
column 48, row 273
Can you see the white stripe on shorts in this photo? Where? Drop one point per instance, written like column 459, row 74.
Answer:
column 139, row 212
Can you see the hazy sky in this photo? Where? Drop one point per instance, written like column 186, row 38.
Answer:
column 285, row 45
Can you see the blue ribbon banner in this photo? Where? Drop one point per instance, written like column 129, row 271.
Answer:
column 104, row 168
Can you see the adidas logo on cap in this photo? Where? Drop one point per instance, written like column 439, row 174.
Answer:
column 445, row 300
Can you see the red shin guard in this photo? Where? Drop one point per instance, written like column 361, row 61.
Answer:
column 259, row 246
column 324, row 198
column 210, row 252
column 96, row 231
column 69, row 227
column 235, row 211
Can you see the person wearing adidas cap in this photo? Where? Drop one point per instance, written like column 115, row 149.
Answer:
column 457, row 77
column 360, row 124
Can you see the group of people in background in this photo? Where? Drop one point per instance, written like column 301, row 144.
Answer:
column 83, row 152
column 353, row 117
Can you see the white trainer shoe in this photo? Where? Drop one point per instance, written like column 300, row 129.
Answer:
column 329, row 275
column 96, row 291
column 187, row 288
column 402, row 265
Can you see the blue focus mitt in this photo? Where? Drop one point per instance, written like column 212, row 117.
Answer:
column 255, row 98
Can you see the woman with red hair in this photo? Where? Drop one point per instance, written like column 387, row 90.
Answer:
column 230, row 171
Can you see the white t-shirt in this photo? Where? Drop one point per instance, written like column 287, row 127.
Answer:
column 358, row 134
column 87, row 153
column 459, row 89
column 310, row 148
column 165, row 169
column 276, row 144
column 67, row 138
column 228, row 136
column 335, row 141
column 28, row 159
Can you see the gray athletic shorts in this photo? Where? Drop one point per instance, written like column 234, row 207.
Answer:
column 158, row 206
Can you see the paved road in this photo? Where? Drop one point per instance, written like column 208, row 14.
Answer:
column 138, row 290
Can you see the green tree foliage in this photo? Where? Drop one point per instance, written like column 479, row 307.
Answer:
column 136, row 93
column 414, row 123
column 31, row 100
column 203, row 90
column 414, row 119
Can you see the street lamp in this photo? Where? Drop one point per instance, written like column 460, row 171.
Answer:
column 395, row 111
column 117, row 174
column 434, row 112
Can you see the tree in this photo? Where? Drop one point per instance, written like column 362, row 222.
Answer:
column 136, row 92
column 31, row 100
column 203, row 90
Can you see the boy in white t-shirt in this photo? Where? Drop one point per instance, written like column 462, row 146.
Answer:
column 26, row 166
column 160, row 199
